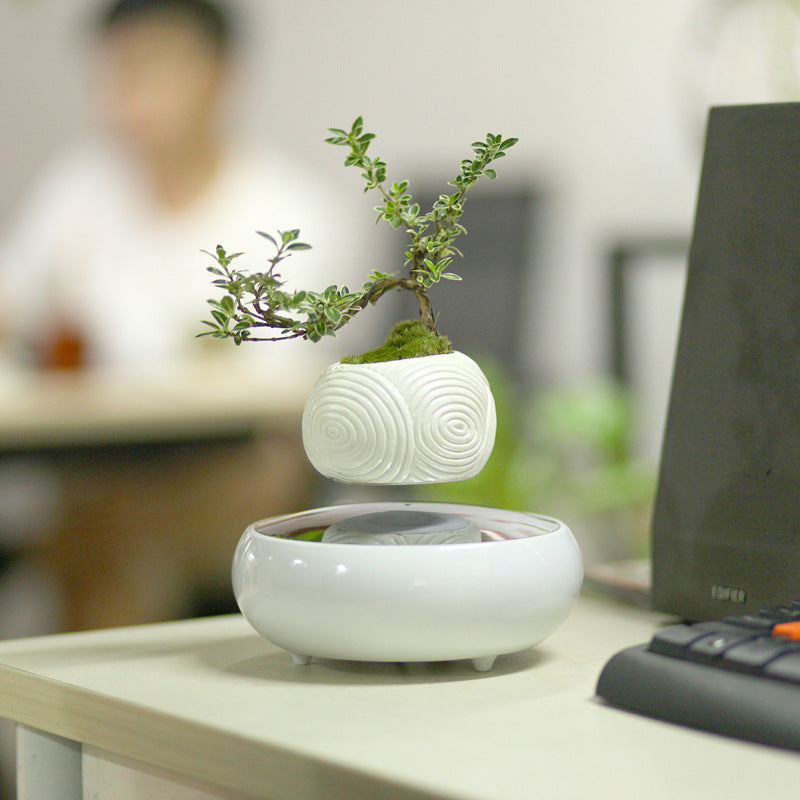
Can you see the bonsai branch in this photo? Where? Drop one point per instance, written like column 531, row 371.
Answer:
column 254, row 301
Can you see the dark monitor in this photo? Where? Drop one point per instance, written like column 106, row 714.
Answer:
column 726, row 525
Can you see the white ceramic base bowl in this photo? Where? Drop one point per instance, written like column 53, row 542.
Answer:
column 411, row 602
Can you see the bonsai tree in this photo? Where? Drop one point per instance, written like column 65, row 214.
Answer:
column 256, row 306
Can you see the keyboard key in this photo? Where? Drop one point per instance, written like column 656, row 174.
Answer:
column 752, row 655
column 789, row 630
column 785, row 668
column 674, row 640
column 713, row 645
column 752, row 621
column 714, row 625
column 780, row 614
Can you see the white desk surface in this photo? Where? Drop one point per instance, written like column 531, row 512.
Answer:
column 211, row 700
column 206, row 397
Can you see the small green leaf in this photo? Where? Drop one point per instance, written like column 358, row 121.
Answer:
column 267, row 237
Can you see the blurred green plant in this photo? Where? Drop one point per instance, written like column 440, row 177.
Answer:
column 564, row 453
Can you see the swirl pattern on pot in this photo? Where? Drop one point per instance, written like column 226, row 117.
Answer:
column 416, row 420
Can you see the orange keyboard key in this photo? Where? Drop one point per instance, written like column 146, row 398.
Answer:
column 789, row 630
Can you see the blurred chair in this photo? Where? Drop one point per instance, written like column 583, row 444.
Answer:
column 483, row 314
column 148, row 530
column 645, row 279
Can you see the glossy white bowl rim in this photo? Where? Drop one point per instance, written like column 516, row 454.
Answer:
column 512, row 525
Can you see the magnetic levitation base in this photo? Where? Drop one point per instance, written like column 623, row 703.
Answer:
column 406, row 581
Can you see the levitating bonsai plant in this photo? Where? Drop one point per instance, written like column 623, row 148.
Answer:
column 412, row 410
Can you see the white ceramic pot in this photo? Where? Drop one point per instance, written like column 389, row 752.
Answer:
column 407, row 603
column 417, row 420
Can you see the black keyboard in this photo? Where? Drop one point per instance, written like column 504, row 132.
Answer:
column 739, row 677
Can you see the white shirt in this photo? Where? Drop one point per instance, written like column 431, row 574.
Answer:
column 90, row 247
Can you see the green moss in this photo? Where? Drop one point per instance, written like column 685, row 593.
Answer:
column 408, row 339
column 311, row 535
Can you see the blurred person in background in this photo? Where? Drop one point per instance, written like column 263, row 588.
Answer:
column 108, row 246
column 104, row 268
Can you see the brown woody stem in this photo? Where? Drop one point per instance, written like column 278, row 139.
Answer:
column 426, row 311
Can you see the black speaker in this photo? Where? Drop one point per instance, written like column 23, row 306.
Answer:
column 726, row 522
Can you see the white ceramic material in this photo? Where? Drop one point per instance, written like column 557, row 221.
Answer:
column 412, row 602
column 416, row 420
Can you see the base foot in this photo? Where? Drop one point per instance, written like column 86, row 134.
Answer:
column 301, row 661
column 483, row 663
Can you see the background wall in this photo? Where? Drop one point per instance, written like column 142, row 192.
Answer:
column 597, row 93
column 591, row 89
